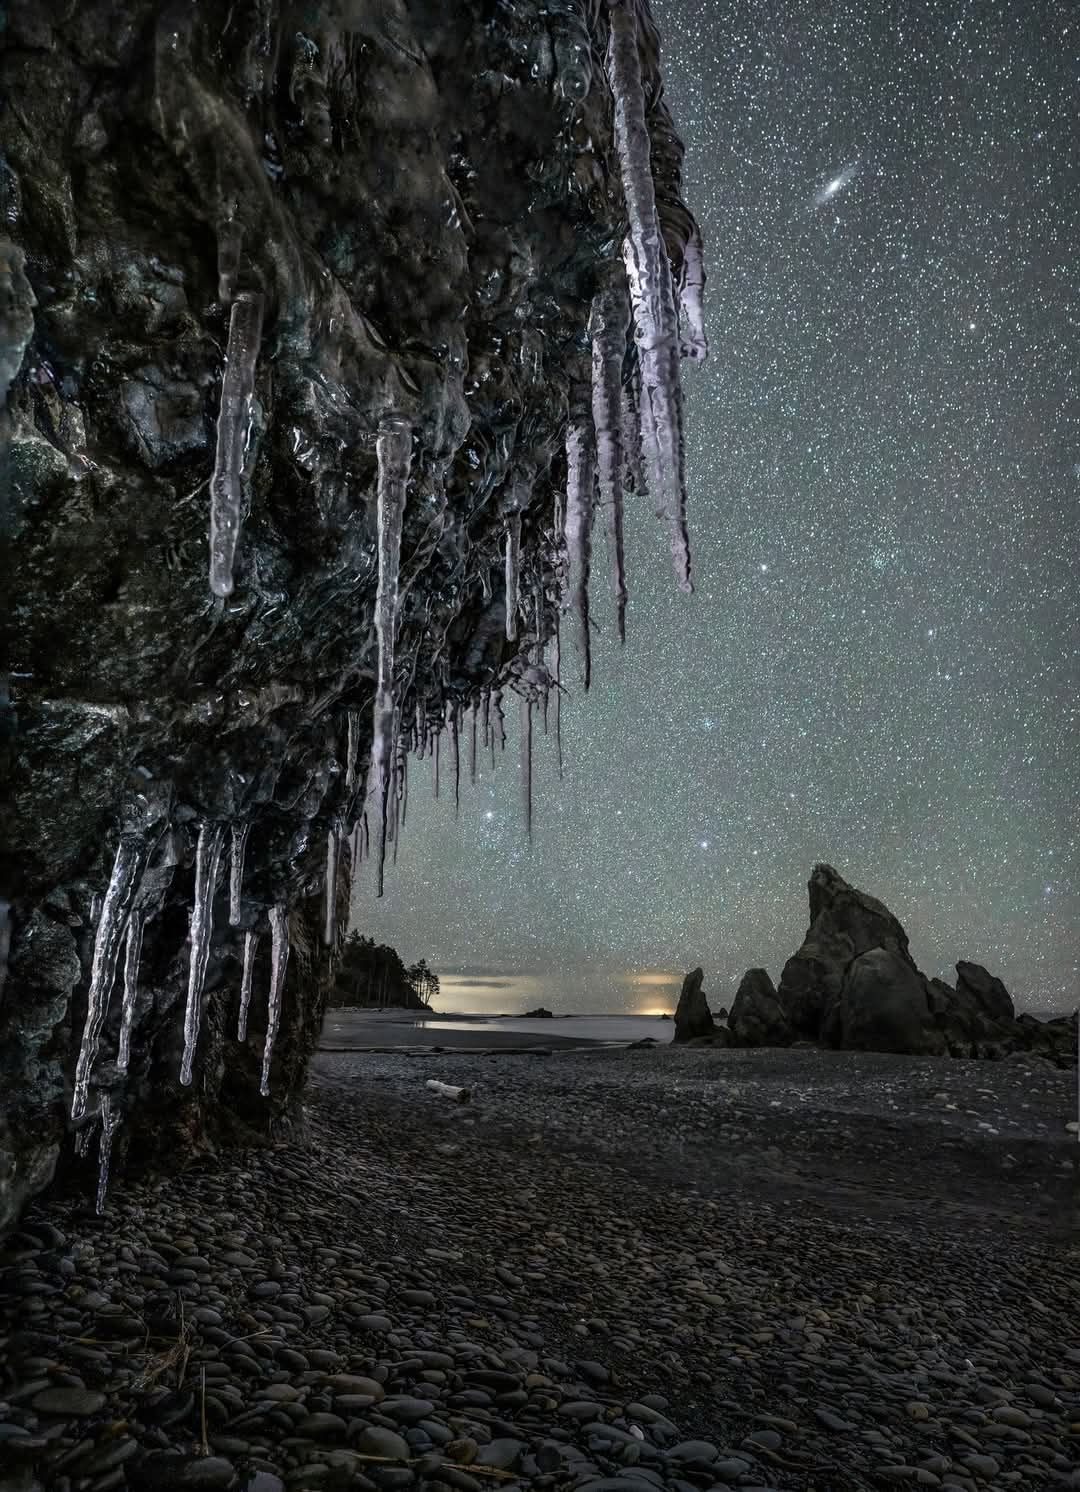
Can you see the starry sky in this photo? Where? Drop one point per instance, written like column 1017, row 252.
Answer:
column 880, row 666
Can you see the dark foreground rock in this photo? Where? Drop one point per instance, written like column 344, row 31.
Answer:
column 853, row 985
column 252, row 254
column 617, row 1272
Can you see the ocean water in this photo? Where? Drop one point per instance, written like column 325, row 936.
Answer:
column 407, row 1027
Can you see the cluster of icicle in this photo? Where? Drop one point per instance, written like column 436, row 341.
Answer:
column 630, row 431
column 633, row 424
column 124, row 910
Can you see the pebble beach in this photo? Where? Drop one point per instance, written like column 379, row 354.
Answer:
column 611, row 1270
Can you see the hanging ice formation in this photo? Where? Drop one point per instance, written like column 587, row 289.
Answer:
column 240, row 834
column 279, row 959
column 526, row 762
column 132, row 954
column 558, row 695
column 251, row 941
column 229, row 239
column 207, row 860
column 454, row 720
column 233, row 431
column 394, row 447
column 131, row 856
column 352, row 749
column 580, row 476
column 608, row 323
column 695, row 344
column 513, row 564
column 651, row 290
column 333, row 848
column 110, row 1119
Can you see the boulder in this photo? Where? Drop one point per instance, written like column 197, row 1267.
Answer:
column 883, row 1006
column 989, row 995
column 757, row 1018
column 539, row 1014
column 693, row 1019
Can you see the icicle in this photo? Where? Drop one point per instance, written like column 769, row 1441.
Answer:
column 404, row 780
column 394, row 448
column 352, row 749
column 608, row 323
column 5, row 942
column 251, row 942
column 455, row 736
column 333, row 849
column 695, row 344
column 651, row 290
column 435, row 765
column 83, row 1138
column 526, row 763
column 580, row 474
column 558, row 694
column 279, row 958
column 240, row 834
column 631, row 439
column 229, row 239
column 513, row 565
column 233, row 431
column 501, row 718
column 472, row 743
column 132, row 954
column 207, row 859
column 131, row 856
column 110, row 1119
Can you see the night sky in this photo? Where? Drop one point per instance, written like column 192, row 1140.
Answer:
column 880, row 666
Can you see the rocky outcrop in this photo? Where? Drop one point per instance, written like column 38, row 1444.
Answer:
column 844, row 923
column 882, row 1006
column 270, row 287
column 757, row 1018
column 854, row 985
column 693, row 1019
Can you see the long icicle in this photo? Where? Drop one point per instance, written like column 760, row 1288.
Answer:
column 608, row 323
column 131, row 855
column 110, row 1119
column 580, row 474
column 455, row 734
column 207, row 859
column 240, row 834
column 251, row 942
column 352, row 750
column 695, row 344
column 333, row 849
column 513, row 571
column 279, row 960
column 132, row 954
column 233, row 431
column 526, row 763
column 394, row 448
column 651, row 288
column 558, row 694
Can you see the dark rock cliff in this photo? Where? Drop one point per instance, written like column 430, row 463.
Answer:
column 236, row 243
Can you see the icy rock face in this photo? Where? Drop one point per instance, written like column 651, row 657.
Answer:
column 229, row 256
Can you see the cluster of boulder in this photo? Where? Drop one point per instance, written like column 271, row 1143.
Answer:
column 854, row 985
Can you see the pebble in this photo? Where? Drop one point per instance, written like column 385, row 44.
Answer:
column 72, row 1402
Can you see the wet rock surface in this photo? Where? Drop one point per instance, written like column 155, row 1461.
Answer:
column 544, row 1290
column 253, row 259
